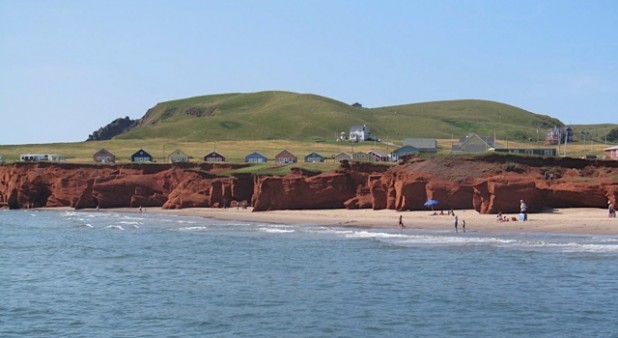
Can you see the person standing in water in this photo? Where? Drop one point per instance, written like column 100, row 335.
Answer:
column 456, row 221
column 401, row 221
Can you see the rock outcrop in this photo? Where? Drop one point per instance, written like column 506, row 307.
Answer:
column 25, row 185
column 489, row 185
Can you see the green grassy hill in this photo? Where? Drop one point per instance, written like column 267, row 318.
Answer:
column 284, row 115
column 269, row 122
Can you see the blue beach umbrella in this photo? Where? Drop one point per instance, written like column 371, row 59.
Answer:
column 431, row 203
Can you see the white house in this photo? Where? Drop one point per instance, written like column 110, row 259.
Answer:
column 359, row 133
column 178, row 156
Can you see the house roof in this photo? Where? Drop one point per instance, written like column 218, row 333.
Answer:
column 611, row 148
column 473, row 136
column 213, row 154
column 344, row 153
column 406, row 148
column 255, row 154
column 103, row 151
column 313, row 153
column 424, row 143
column 178, row 152
column 141, row 152
column 359, row 128
column 377, row 152
column 285, row 153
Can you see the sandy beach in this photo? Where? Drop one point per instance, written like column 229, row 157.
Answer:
column 569, row 220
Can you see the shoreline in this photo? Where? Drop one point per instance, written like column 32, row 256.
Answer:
column 590, row 221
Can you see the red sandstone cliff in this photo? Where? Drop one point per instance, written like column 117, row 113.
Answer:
column 88, row 186
column 489, row 185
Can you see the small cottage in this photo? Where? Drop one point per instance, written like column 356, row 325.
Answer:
column 377, row 156
column 360, row 156
column 611, row 153
column 178, row 156
column 473, row 143
column 343, row 156
column 398, row 153
column 214, row 157
column 104, row 156
column 314, row 157
column 141, row 156
column 255, row 157
column 285, row 157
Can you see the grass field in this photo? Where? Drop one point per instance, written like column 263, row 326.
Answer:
column 235, row 151
column 269, row 122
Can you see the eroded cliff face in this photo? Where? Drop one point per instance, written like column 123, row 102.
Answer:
column 25, row 185
column 488, row 185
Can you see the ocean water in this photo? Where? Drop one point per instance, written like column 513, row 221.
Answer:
column 109, row 274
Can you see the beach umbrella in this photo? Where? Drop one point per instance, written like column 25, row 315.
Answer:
column 431, row 203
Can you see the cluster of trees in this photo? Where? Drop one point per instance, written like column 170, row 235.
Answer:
column 116, row 127
column 612, row 136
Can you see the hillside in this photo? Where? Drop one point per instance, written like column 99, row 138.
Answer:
column 293, row 116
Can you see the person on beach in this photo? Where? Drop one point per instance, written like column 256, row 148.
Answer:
column 611, row 210
column 463, row 225
column 401, row 221
column 523, row 209
column 455, row 223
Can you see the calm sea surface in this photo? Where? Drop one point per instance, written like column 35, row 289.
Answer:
column 107, row 274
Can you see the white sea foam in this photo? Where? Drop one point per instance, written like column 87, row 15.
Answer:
column 369, row 234
column 114, row 226
column 131, row 223
column 427, row 239
column 328, row 230
column 580, row 247
column 185, row 222
column 275, row 230
column 193, row 229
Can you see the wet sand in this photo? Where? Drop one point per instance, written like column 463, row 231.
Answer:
column 569, row 220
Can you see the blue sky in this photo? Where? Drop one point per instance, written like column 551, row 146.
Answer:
column 68, row 67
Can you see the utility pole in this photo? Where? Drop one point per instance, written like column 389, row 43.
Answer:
column 559, row 140
column 566, row 140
